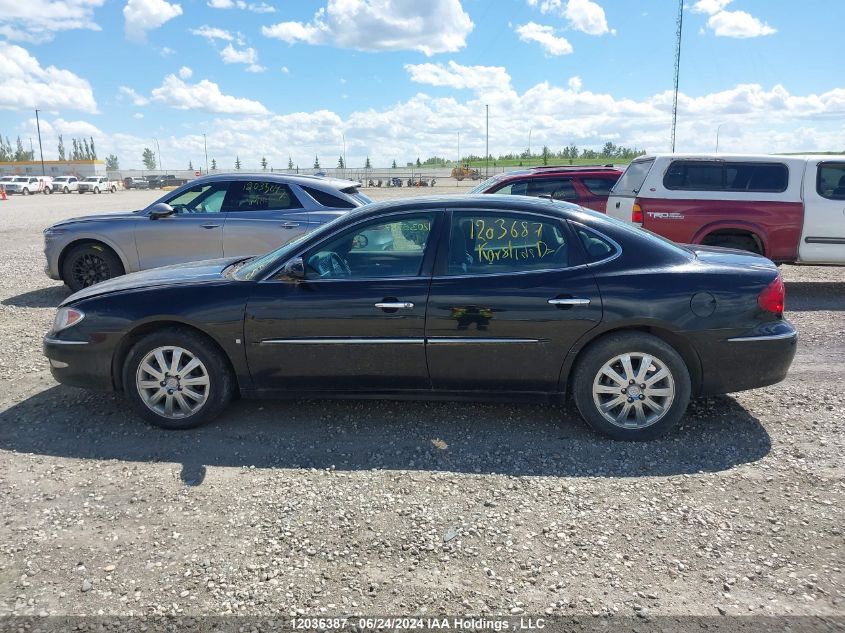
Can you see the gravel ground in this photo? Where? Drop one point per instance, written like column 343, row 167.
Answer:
column 412, row 508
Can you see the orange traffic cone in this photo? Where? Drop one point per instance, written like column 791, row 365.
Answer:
column 2, row 192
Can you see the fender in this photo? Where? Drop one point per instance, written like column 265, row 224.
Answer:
column 128, row 265
column 733, row 225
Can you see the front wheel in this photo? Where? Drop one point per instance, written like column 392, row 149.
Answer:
column 113, row 189
column 65, row 190
column 631, row 386
column 96, row 190
column 25, row 191
column 88, row 264
column 177, row 379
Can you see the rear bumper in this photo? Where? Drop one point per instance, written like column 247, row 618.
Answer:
column 749, row 361
column 79, row 363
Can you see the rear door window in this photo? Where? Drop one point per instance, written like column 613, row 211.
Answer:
column 630, row 183
column 259, row 195
column 830, row 181
column 557, row 188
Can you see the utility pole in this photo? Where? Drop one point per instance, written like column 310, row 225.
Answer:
column 718, row 128
column 40, row 149
column 677, row 69
column 487, row 153
column 459, row 150
column 158, row 149
column 205, row 145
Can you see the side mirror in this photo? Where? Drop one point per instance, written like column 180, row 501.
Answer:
column 161, row 210
column 294, row 269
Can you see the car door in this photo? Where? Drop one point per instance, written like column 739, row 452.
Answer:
column 357, row 321
column 510, row 298
column 194, row 232
column 823, row 234
column 261, row 215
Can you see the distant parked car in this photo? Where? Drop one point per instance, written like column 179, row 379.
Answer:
column 97, row 184
column 588, row 186
column 26, row 185
column 66, row 184
column 154, row 182
column 134, row 182
column 215, row 216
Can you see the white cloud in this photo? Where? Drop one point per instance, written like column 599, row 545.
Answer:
column 737, row 24
column 285, row 70
column 24, row 84
column 212, row 33
column 133, row 96
column 256, row 68
column 205, row 95
column 138, row 115
column 478, row 78
column 185, row 72
column 545, row 37
column 255, row 7
column 586, row 16
column 432, row 26
column 39, row 20
column 145, row 15
column 574, row 83
column 231, row 55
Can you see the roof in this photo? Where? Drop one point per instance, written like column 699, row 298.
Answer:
column 299, row 179
column 740, row 157
column 541, row 169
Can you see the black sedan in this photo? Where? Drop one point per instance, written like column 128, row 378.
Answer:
column 480, row 297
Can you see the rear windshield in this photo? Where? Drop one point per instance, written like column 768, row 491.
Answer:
column 484, row 185
column 632, row 180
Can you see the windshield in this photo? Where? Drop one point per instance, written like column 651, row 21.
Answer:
column 632, row 180
column 485, row 184
column 258, row 266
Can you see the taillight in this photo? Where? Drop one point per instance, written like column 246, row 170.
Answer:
column 773, row 297
column 637, row 214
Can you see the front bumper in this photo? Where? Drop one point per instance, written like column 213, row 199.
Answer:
column 750, row 361
column 79, row 363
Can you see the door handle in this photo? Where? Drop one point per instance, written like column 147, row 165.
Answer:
column 618, row 204
column 289, row 225
column 395, row 305
column 570, row 301
column 210, row 226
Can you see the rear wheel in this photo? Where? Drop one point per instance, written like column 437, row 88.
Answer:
column 25, row 191
column 96, row 190
column 738, row 242
column 88, row 264
column 113, row 189
column 65, row 190
column 177, row 379
column 631, row 386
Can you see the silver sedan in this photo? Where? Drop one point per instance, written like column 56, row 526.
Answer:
column 216, row 216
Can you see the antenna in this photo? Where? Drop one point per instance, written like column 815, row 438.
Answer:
column 678, row 34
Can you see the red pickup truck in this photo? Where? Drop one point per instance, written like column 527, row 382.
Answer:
column 789, row 208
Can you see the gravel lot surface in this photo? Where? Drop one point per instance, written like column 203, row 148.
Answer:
column 412, row 508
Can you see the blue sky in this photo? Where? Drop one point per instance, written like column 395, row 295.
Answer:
column 403, row 78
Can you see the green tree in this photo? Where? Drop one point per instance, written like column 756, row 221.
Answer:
column 340, row 162
column 213, row 164
column 545, row 155
column 61, row 148
column 573, row 152
column 93, row 151
column 237, row 162
column 112, row 163
column 419, row 164
column 264, row 163
column 316, row 162
column 87, row 152
column 148, row 158
column 20, row 154
column 367, row 165
column 290, row 162
column 393, row 166
column 5, row 152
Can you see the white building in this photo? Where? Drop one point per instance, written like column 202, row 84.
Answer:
column 53, row 168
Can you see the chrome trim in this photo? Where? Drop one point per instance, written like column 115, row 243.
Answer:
column 54, row 341
column 569, row 302
column 342, row 341
column 477, row 340
column 765, row 337
column 394, row 305
column 510, row 272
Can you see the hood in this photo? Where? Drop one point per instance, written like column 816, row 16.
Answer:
column 180, row 274
column 114, row 215
column 730, row 257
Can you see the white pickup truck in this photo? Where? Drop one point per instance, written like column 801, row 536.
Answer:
column 97, row 184
column 789, row 208
column 26, row 185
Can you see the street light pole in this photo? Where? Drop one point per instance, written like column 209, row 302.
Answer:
column 718, row 128
column 529, row 146
column 487, row 153
column 343, row 137
column 158, row 149
column 205, row 145
column 40, row 149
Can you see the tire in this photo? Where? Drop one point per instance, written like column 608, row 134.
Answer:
column 96, row 190
column 65, row 190
column 113, row 189
column 734, row 241
column 140, row 386
column 25, row 191
column 593, row 387
column 87, row 264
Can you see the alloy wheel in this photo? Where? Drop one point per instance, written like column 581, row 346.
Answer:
column 172, row 382
column 89, row 269
column 634, row 390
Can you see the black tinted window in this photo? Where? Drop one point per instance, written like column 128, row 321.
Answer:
column 486, row 243
column 830, row 182
column 596, row 246
column 599, row 186
column 557, row 188
column 726, row 176
column 259, row 195
column 328, row 200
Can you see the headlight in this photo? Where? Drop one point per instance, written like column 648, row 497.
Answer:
column 67, row 317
